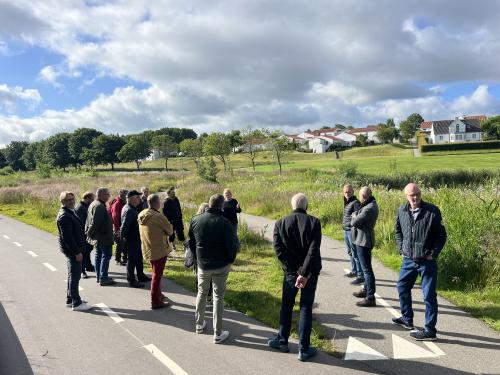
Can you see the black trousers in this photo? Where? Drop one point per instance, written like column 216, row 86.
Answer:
column 179, row 231
column 134, row 262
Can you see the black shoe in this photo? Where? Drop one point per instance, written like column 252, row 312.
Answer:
column 160, row 305
column 366, row 303
column 350, row 274
column 423, row 335
column 107, row 282
column 118, row 263
column 360, row 294
column 84, row 275
column 358, row 281
column 135, row 284
column 144, row 278
column 403, row 323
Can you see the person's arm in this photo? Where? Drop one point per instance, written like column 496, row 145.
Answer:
column 180, row 213
column 231, row 242
column 279, row 246
column 362, row 216
column 96, row 220
column 398, row 234
column 192, row 240
column 115, row 216
column 126, row 222
column 438, row 233
column 313, row 254
column 166, row 226
column 65, row 225
column 237, row 206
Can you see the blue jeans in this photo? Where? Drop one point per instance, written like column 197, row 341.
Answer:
column 306, row 303
column 427, row 269
column 353, row 255
column 74, row 274
column 365, row 259
column 103, row 254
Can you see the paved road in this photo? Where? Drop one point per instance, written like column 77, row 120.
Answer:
column 416, row 149
column 465, row 346
column 39, row 335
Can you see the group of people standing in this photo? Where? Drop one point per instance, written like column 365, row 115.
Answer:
column 420, row 237
column 140, row 230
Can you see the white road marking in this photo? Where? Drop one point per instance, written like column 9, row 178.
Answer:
column 50, row 267
column 110, row 313
column 434, row 348
column 17, row 244
column 6, row 237
column 357, row 351
column 387, row 306
column 163, row 358
column 404, row 349
column 34, row 255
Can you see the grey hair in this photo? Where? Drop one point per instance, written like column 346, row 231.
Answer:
column 101, row 190
column 203, row 208
column 365, row 192
column 216, row 201
column 153, row 199
column 144, row 188
column 299, row 201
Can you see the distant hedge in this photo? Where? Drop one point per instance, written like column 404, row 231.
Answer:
column 487, row 145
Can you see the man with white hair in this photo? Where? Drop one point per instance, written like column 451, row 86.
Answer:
column 363, row 236
column 420, row 237
column 297, row 241
column 99, row 231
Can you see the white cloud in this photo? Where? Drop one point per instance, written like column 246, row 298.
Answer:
column 11, row 96
column 214, row 65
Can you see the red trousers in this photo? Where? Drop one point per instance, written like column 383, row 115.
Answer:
column 158, row 266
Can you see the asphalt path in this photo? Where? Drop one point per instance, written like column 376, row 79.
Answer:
column 121, row 335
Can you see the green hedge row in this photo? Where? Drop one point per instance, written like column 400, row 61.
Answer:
column 487, row 145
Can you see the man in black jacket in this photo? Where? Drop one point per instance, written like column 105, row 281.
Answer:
column 420, row 237
column 130, row 235
column 351, row 205
column 297, row 241
column 212, row 241
column 71, row 244
column 81, row 211
column 172, row 210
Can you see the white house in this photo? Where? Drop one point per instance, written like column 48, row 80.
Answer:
column 155, row 155
column 370, row 132
column 347, row 137
column 320, row 144
column 458, row 130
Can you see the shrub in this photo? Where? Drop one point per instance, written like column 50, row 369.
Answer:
column 487, row 145
column 208, row 170
column 347, row 169
column 5, row 171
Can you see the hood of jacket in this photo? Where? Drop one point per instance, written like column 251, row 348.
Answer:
column 146, row 216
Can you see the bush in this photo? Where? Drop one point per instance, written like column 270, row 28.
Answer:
column 207, row 170
column 347, row 169
column 5, row 171
column 487, row 145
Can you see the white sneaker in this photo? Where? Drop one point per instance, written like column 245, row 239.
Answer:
column 82, row 307
column 200, row 329
column 222, row 337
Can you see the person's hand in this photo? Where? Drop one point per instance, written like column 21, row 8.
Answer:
column 429, row 257
column 79, row 257
column 301, row 282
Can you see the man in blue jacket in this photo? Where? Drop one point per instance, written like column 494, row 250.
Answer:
column 420, row 237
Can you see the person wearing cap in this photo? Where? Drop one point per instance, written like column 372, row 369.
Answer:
column 129, row 233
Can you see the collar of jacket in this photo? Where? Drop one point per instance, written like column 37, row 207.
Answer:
column 84, row 204
column 351, row 199
column 299, row 210
column 104, row 203
column 213, row 210
column 369, row 200
column 421, row 208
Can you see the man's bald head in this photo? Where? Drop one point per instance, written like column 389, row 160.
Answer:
column 413, row 195
column 365, row 193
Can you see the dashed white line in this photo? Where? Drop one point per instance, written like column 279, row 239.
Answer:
column 163, row 358
column 6, row 237
column 17, row 244
column 50, row 267
column 110, row 313
column 34, row 255
column 387, row 306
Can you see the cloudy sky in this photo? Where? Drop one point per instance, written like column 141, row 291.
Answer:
column 126, row 66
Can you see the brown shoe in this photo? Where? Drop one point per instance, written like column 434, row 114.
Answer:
column 360, row 294
column 160, row 305
column 366, row 303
